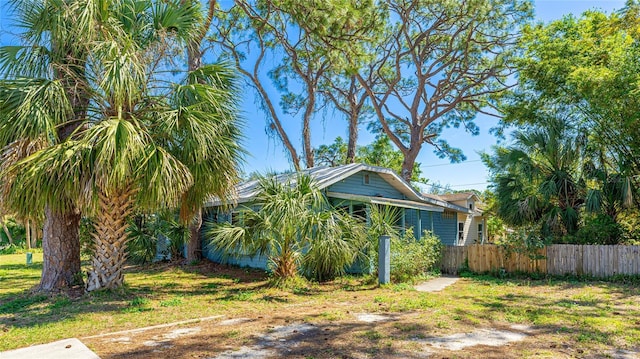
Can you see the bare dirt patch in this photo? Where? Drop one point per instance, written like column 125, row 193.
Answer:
column 490, row 337
column 372, row 318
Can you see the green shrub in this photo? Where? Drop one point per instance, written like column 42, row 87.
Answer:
column 10, row 249
column 412, row 259
column 523, row 241
column 599, row 229
column 629, row 221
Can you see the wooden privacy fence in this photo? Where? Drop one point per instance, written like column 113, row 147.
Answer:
column 557, row 259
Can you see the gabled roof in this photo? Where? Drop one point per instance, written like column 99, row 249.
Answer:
column 460, row 196
column 326, row 176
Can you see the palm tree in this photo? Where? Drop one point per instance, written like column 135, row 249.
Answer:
column 539, row 179
column 211, row 96
column 294, row 226
column 43, row 99
column 120, row 158
column 215, row 175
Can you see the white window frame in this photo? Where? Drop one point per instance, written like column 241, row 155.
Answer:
column 460, row 232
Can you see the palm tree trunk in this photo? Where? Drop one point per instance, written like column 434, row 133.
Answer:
column 110, row 239
column 194, row 247
column 61, row 250
column 285, row 265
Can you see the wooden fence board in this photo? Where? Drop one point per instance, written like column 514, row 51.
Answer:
column 557, row 259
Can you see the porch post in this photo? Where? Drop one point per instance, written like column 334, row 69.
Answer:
column 419, row 225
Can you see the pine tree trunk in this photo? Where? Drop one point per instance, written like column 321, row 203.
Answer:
column 194, row 247
column 34, row 236
column 408, row 162
column 6, row 231
column 61, row 251
column 110, row 239
column 353, row 138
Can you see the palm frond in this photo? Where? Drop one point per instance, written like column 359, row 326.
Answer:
column 31, row 109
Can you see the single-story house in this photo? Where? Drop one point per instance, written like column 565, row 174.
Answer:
column 357, row 186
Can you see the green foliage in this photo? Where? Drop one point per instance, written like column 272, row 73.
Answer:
column 379, row 153
column 143, row 234
column 16, row 231
column 86, row 232
column 412, row 259
column 629, row 220
column 526, row 240
column 383, row 220
column 585, row 68
column 10, row 249
column 598, row 229
column 538, row 180
column 581, row 72
column 295, row 226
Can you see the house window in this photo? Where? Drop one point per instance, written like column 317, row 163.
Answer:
column 480, row 232
column 365, row 178
column 471, row 206
column 460, row 231
column 359, row 211
column 236, row 218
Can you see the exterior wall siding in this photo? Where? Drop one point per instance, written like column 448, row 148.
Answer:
column 471, row 229
column 214, row 255
column 445, row 227
column 427, row 220
column 355, row 185
column 411, row 220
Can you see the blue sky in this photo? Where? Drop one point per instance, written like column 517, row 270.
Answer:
column 266, row 153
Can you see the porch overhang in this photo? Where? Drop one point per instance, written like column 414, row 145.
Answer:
column 386, row 201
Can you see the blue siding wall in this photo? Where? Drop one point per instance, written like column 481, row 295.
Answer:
column 214, row 255
column 376, row 187
column 411, row 220
column 444, row 226
column 427, row 220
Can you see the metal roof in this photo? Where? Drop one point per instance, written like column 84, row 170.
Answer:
column 326, row 176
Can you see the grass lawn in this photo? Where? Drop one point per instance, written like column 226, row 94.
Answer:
column 569, row 318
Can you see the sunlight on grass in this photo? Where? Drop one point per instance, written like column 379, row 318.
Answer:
column 589, row 314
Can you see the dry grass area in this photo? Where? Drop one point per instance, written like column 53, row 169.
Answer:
column 248, row 319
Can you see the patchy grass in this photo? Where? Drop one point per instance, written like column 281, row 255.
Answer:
column 570, row 317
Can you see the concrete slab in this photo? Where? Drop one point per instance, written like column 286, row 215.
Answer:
column 436, row 284
column 63, row 349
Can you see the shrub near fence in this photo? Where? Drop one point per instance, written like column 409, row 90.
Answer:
column 556, row 259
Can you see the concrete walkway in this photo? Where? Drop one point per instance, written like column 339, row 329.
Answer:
column 63, row 349
column 436, row 284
